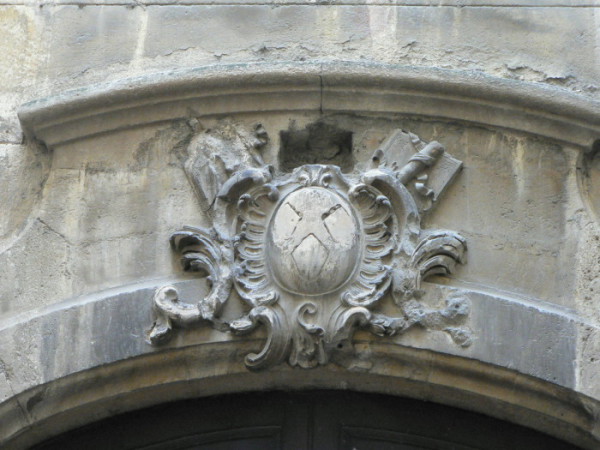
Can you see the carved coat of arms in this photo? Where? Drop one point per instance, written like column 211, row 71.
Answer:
column 314, row 253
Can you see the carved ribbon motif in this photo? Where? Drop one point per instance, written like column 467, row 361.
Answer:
column 313, row 253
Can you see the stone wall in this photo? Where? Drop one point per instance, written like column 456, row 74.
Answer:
column 99, row 103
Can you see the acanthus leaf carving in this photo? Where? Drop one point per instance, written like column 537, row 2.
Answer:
column 202, row 251
column 308, row 340
column 276, row 348
column 314, row 253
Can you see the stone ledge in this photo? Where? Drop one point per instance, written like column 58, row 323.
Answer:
column 325, row 87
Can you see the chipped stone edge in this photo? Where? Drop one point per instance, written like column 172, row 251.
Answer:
column 319, row 87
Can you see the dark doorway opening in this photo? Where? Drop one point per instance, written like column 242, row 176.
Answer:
column 306, row 420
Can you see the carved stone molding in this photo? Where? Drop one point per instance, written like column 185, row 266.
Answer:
column 313, row 253
column 320, row 87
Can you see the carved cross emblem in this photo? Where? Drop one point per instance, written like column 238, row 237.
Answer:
column 314, row 252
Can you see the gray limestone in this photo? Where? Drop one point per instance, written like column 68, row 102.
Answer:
column 119, row 126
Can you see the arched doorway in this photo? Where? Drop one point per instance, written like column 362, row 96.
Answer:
column 303, row 420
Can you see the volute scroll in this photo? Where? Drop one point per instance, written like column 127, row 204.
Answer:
column 314, row 253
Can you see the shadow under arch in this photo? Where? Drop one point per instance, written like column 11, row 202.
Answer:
column 302, row 420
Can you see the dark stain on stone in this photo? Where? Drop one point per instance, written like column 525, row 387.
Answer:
column 318, row 143
column 175, row 138
column 34, row 400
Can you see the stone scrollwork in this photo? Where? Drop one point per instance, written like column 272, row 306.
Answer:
column 314, row 253
column 202, row 251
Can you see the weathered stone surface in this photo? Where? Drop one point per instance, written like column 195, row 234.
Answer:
column 314, row 251
column 509, row 183
column 75, row 343
column 6, row 391
column 22, row 180
column 589, row 175
column 588, row 362
column 128, row 39
column 146, row 105
column 312, row 254
column 324, row 87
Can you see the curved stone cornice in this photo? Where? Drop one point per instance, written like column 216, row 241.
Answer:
column 326, row 87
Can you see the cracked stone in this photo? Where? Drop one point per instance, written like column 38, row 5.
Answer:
column 310, row 256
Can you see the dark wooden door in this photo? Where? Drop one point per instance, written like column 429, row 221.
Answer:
column 302, row 421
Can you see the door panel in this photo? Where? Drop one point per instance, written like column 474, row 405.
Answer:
column 365, row 421
column 257, row 438
column 376, row 439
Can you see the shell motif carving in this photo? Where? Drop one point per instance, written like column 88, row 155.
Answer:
column 314, row 253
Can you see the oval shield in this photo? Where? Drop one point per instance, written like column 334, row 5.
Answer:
column 313, row 241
